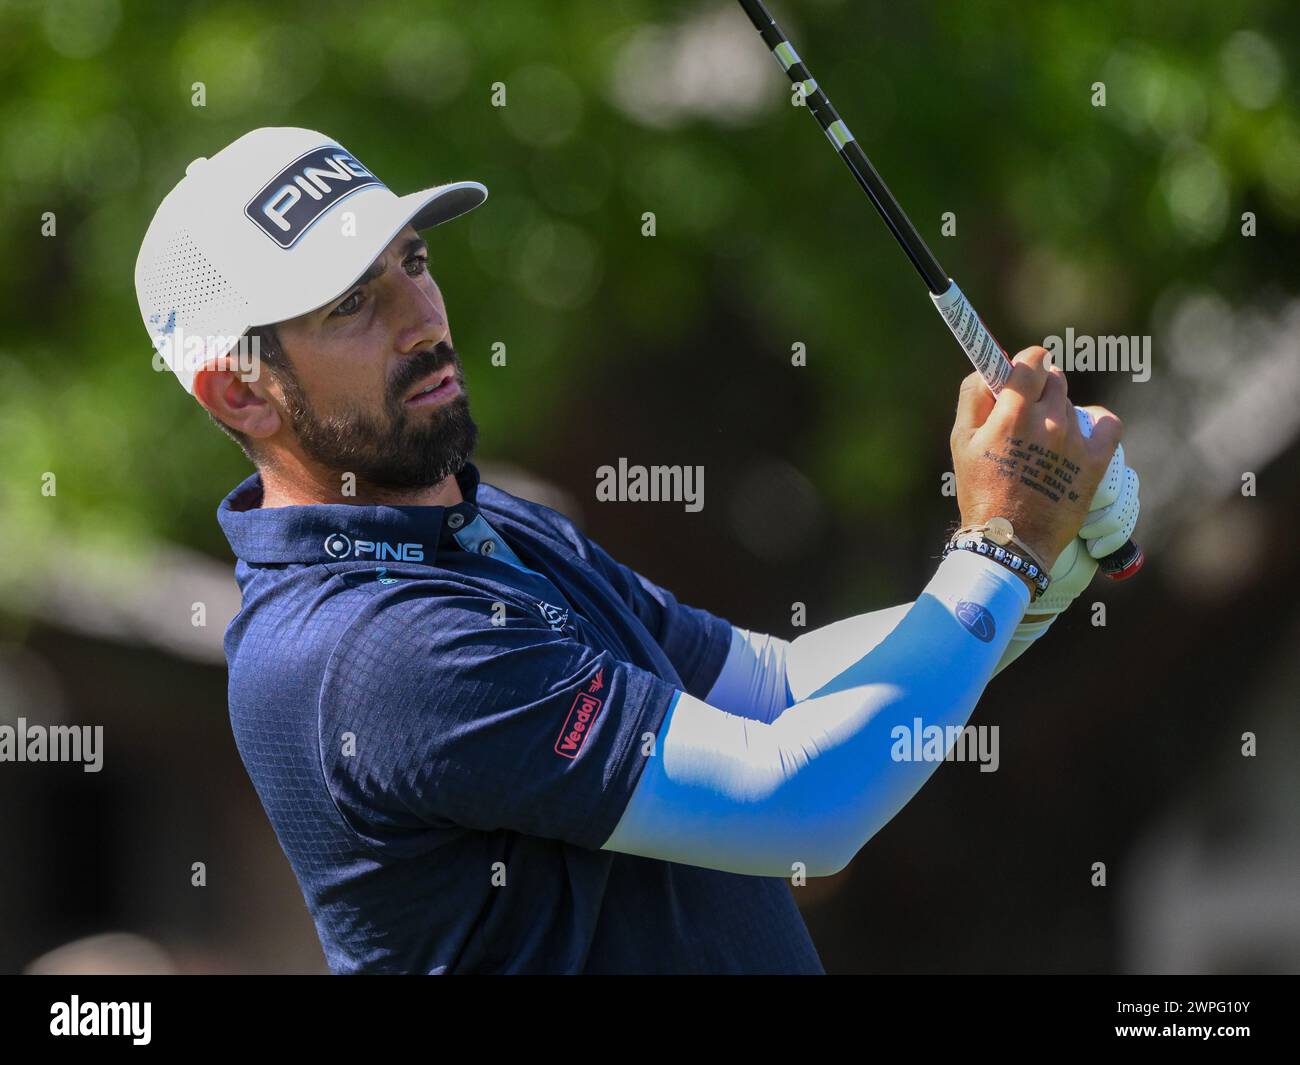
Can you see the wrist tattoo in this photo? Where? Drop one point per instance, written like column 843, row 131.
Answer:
column 1036, row 467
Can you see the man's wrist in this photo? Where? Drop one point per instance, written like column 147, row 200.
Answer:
column 996, row 539
column 1031, row 585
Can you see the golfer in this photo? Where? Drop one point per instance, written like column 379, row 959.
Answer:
column 485, row 745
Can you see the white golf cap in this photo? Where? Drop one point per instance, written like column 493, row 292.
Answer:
column 276, row 224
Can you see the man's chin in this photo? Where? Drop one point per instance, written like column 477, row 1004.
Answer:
column 413, row 451
column 423, row 457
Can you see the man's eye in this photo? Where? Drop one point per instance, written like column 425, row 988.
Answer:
column 417, row 264
column 349, row 306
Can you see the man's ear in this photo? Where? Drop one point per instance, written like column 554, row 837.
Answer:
column 246, row 406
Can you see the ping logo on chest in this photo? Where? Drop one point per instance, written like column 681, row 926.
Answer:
column 582, row 716
column 290, row 202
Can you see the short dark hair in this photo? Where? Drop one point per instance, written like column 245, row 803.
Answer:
column 272, row 359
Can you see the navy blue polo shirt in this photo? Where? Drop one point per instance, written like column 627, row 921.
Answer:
column 445, row 710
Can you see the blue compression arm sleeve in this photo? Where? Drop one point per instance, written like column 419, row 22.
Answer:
column 813, row 785
column 822, row 654
column 763, row 674
column 752, row 682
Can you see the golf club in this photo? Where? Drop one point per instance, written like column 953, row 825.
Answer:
column 983, row 351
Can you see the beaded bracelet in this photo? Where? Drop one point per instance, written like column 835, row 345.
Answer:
column 999, row 531
column 1024, row 567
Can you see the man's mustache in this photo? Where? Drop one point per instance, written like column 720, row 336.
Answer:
column 420, row 366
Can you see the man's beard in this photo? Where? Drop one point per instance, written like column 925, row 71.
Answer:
column 400, row 450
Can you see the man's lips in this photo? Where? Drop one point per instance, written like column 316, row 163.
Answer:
column 442, row 382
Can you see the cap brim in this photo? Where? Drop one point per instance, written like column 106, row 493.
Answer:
column 329, row 275
column 437, row 205
column 422, row 210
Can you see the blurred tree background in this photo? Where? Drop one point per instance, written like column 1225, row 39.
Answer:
column 1066, row 212
column 823, row 481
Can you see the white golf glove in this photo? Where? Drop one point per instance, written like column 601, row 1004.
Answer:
column 1108, row 526
column 1114, row 512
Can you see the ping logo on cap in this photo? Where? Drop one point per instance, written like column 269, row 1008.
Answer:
column 304, row 190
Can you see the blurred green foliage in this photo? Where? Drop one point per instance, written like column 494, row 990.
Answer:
column 1067, row 213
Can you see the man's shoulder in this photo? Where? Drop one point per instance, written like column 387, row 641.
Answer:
column 293, row 622
column 343, row 657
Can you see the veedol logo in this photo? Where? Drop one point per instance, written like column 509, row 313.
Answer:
column 326, row 175
column 339, row 546
column 581, row 716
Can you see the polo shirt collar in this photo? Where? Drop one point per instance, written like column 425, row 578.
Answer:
column 340, row 532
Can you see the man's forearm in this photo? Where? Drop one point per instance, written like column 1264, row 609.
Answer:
column 758, row 679
column 823, row 653
column 728, row 792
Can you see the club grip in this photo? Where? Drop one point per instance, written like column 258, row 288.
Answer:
column 994, row 366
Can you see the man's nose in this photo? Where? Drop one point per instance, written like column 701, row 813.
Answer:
column 424, row 323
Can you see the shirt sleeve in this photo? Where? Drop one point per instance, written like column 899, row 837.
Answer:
column 695, row 641
column 432, row 715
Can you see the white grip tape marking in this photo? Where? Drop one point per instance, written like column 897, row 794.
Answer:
column 976, row 341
